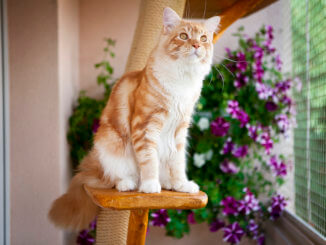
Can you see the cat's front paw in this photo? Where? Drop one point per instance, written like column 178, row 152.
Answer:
column 166, row 185
column 126, row 185
column 150, row 186
column 186, row 186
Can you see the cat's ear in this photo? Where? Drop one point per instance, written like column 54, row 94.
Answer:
column 212, row 23
column 170, row 19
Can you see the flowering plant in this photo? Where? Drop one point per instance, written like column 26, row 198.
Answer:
column 236, row 124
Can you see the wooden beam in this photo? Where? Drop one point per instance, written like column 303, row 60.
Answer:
column 199, row 9
column 235, row 12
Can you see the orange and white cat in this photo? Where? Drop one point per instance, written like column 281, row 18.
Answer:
column 140, row 144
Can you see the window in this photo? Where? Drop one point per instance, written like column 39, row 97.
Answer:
column 309, row 64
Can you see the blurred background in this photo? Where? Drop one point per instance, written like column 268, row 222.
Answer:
column 49, row 48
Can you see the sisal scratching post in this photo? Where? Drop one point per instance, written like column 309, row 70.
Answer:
column 112, row 226
column 148, row 29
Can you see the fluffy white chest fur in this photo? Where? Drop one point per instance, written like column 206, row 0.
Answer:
column 183, row 83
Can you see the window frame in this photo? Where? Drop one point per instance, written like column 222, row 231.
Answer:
column 291, row 229
column 4, row 129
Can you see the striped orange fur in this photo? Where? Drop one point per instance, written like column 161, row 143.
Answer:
column 141, row 141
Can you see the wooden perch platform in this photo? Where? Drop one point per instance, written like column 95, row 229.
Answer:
column 111, row 198
column 139, row 204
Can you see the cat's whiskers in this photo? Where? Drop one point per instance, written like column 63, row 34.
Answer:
column 204, row 15
column 235, row 61
column 220, row 74
column 228, row 69
column 188, row 9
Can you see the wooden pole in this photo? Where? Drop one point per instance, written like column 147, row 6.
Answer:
column 137, row 230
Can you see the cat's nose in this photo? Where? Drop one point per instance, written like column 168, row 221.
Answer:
column 196, row 45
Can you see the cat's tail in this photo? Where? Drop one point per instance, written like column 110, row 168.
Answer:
column 75, row 210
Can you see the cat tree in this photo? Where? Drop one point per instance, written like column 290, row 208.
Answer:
column 124, row 215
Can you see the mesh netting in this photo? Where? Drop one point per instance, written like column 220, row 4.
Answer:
column 309, row 64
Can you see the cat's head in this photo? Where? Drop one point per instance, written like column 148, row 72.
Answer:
column 186, row 40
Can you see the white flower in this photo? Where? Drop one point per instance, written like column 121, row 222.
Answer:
column 199, row 160
column 209, row 155
column 203, row 123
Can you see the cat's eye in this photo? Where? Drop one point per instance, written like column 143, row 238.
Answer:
column 203, row 38
column 183, row 36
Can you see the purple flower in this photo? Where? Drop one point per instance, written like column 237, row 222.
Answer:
column 252, row 131
column 277, row 206
column 265, row 140
column 269, row 47
column 233, row 108
column 229, row 167
column 191, row 218
column 263, row 91
column 258, row 65
column 220, row 126
column 92, row 225
column 96, row 125
column 216, row 225
column 271, row 106
column 160, row 218
column 228, row 146
column 242, row 63
column 258, row 71
column 282, row 122
column 269, row 39
column 252, row 226
column 240, row 151
column 243, row 117
column 286, row 100
column 84, row 238
column 269, row 32
column 278, row 62
column 258, row 52
column 233, row 233
column 236, row 113
column 278, row 167
column 230, row 206
column 229, row 53
column 261, row 239
column 248, row 204
column 283, row 86
column 241, row 80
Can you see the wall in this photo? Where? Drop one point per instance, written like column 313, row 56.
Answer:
column 34, row 101
column 101, row 19
column 43, row 61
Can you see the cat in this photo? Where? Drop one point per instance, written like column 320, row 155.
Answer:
column 140, row 143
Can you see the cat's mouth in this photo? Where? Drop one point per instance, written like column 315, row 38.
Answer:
column 197, row 54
